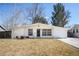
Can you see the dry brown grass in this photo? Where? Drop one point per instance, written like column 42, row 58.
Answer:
column 47, row 47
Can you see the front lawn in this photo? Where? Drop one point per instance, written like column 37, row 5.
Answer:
column 36, row 47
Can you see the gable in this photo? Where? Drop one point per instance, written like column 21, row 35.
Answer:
column 40, row 25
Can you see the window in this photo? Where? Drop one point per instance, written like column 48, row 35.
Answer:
column 46, row 32
column 73, row 31
column 76, row 30
column 30, row 32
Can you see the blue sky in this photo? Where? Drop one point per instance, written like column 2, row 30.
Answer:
column 48, row 8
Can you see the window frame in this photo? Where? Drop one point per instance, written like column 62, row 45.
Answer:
column 76, row 30
column 73, row 30
column 30, row 32
column 46, row 32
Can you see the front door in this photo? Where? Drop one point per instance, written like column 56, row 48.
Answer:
column 38, row 32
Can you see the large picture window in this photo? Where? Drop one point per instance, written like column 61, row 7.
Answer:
column 30, row 32
column 46, row 32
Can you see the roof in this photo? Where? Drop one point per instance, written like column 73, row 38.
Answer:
column 2, row 28
column 76, row 26
column 40, row 25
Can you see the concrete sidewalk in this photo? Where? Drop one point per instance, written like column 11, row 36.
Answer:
column 71, row 41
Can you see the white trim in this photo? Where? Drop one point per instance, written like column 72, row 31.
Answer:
column 56, row 31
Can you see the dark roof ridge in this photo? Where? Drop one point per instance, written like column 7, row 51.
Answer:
column 2, row 27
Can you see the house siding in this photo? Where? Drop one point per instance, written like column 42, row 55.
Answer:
column 23, row 31
column 60, row 32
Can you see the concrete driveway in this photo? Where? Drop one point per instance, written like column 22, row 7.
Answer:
column 71, row 41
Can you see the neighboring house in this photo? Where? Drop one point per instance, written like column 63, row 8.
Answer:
column 4, row 33
column 75, row 31
column 39, row 30
column 1, row 29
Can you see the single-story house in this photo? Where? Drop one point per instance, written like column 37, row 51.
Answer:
column 39, row 30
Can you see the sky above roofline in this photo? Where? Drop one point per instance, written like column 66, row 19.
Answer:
column 48, row 8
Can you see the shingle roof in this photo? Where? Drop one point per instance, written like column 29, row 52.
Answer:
column 76, row 26
column 2, row 27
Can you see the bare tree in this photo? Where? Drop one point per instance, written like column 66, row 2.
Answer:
column 10, row 22
column 26, row 15
column 36, row 10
